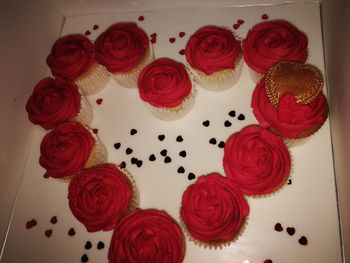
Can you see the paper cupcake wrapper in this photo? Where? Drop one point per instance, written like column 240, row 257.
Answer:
column 98, row 154
column 86, row 113
column 129, row 79
column 255, row 76
column 93, row 81
column 135, row 201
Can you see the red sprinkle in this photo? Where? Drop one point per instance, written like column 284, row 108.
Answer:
column 71, row 232
column 240, row 21
column 172, row 39
column 48, row 232
column 95, row 27
column 265, row 16
column 122, row 165
column 141, row 18
column 46, row 175
column 235, row 26
column 95, row 130
column 182, row 52
column 31, row 223
column 268, row 261
column 182, row 34
column 53, row 220
column 153, row 35
column 153, row 40
column 87, row 32
column 99, row 101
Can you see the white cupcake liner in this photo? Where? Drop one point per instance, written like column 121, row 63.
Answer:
column 98, row 154
column 129, row 79
column 94, row 81
column 86, row 113
column 135, row 201
column 255, row 76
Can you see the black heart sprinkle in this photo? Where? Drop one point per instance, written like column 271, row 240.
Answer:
column 88, row 245
column 221, row 144
column 139, row 163
column 128, row 151
column 278, row 227
column 206, row 123
column 84, row 258
column 133, row 132
column 289, row 181
column 303, row 241
column 117, row 145
column 134, row 160
column 291, row 231
column 161, row 137
column 152, row 157
column 227, row 123
column 163, row 152
column 179, row 138
column 122, row 165
column 212, row 141
column 180, row 170
column 182, row 154
column 232, row 113
column 191, row 176
column 167, row 159
column 100, row 245
column 241, row 117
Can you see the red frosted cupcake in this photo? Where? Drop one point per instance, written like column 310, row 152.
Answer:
column 213, row 210
column 55, row 101
column 167, row 89
column 214, row 56
column 147, row 236
column 124, row 49
column 72, row 58
column 256, row 160
column 99, row 196
column 69, row 148
column 272, row 41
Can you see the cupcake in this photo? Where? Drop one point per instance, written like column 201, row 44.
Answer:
column 99, row 196
column 55, row 101
column 214, row 56
column 166, row 88
column 72, row 58
column 270, row 42
column 213, row 211
column 69, row 148
column 256, row 160
column 124, row 50
column 147, row 236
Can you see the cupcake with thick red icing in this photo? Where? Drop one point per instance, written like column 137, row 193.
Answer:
column 147, row 236
column 124, row 49
column 167, row 89
column 214, row 55
column 213, row 210
column 72, row 58
column 256, row 160
column 272, row 41
column 99, row 196
column 69, row 148
column 54, row 101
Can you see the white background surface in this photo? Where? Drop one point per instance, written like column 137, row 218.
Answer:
column 308, row 204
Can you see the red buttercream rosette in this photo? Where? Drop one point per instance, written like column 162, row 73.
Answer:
column 53, row 102
column 290, row 119
column 147, row 236
column 98, row 196
column 273, row 41
column 71, row 56
column 164, row 83
column 65, row 150
column 211, row 49
column 213, row 209
column 256, row 160
column 121, row 47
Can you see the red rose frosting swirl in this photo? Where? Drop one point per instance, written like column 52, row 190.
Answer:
column 213, row 209
column 164, row 83
column 121, row 47
column 98, row 196
column 211, row 49
column 71, row 56
column 65, row 150
column 52, row 102
column 273, row 41
column 150, row 236
column 256, row 160
column 290, row 119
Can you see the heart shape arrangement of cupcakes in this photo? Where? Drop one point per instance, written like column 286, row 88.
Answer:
column 287, row 102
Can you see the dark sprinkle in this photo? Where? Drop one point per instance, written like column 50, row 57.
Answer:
column 71, row 232
column 206, row 123
column 133, row 160
column 232, row 113
column 100, row 245
column 179, row 138
column 117, row 145
column 303, row 241
column 139, row 163
column 227, row 123
column 84, row 258
column 122, row 165
column 152, row 157
column 241, row 117
column 161, row 137
column 167, row 159
column 268, row 261
column 291, row 231
column 133, row 132
column 163, row 152
column 191, row 176
column 180, row 170
column 128, row 151
column 278, row 227
column 182, row 154
column 289, row 181
column 88, row 245
column 212, row 141
column 221, row 144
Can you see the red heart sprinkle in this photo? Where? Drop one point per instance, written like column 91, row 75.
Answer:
column 235, row 26
column 31, row 223
column 182, row 52
column 99, row 101
column 153, row 40
column 265, row 16
column 172, row 39
column 240, row 21
column 95, row 27
column 71, row 232
column 141, row 18
column 122, row 165
column 53, row 220
column 87, row 32
column 278, row 227
column 182, row 34
column 95, row 130
column 48, row 233
column 291, row 231
column 153, row 35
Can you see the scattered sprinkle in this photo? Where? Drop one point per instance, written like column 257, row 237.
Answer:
column 212, row 141
column 240, row 21
column 289, row 181
column 139, row 163
column 163, row 152
column 235, row 26
column 133, row 131
column 53, row 220
column 88, row 245
column 128, row 151
column 167, row 159
column 84, row 258
column 95, row 130
column 87, row 33
column 133, row 160
column 152, row 157
column 227, row 123
column 48, row 232
column 278, row 227
column 182, row 154
column 95, row 27
column 122, row 165
column 117, row 145
column 182, row 34
column 161, row 137
column 241, row 117
column 221, row 144
column 206, row 123
column 172, row 39
column 182, row 52
column 232, row 113
column 303, row 241
column 99, row 101
column 290, row 231
column 71, row 232
column 100, row 245
column 31, row 223
column 264, row 16
column 191, row 176
column 179, row 138
column 141, row 18
column 180, row 170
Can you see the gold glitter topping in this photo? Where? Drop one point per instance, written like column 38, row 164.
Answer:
column 303, row 80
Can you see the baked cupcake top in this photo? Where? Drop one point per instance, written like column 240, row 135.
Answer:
column 99, row 195
column 211, row 49
column 289, row 119
column 53, row 101
column 213, row 209
column 269, row 42
column 147, row 236
column 164, row 83
column 65, row 150
column 121, row 47
column 71, row 56
column 256, row 160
